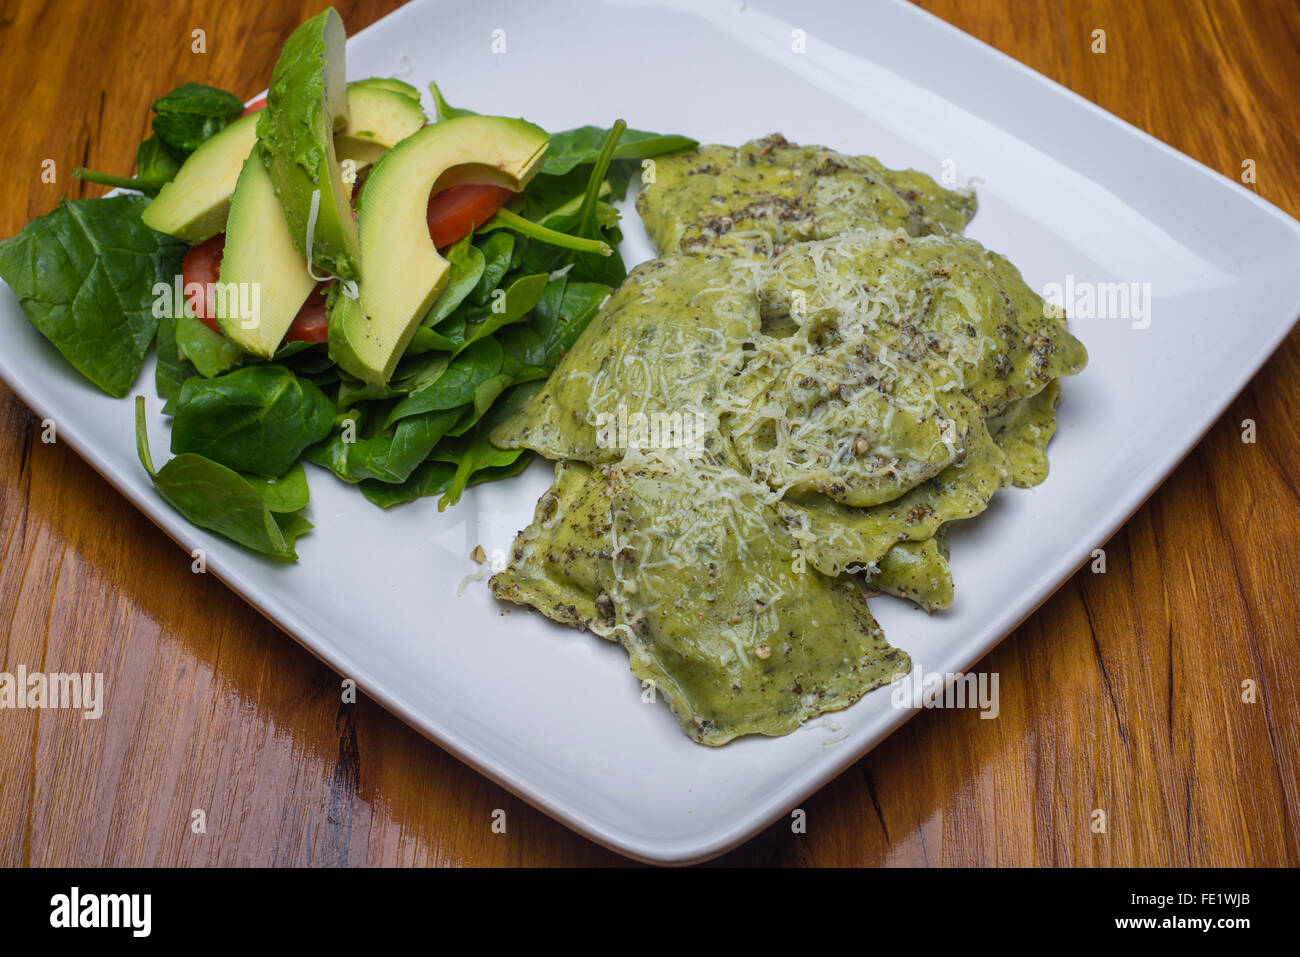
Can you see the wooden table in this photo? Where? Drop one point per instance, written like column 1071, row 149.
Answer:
column 1122, row 693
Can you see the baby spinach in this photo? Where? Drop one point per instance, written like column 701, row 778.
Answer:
column 496, row 251
column 257, row 419
column 572, row 148
column 288, row 493
column 209, row 352
column 589, row 221
column 419, row 372
column 221, row 500
column 467, row 265
column 441, row 110
column 84, row 276
column 188, row 115
column 557, row 238
column 515, row 303
column 455, row 387
column 390, row 455
column 172, row 368
column 479, row 454
column 427, row 340
column 154, row 169
column 564, row 310
column 431, row 478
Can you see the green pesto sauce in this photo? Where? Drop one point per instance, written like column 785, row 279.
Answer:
column 866, row 376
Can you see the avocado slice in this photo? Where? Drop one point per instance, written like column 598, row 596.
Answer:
column 306, row 102
column 388, row 83
column 403, row 273
column 378, row 119
column 193, row 206
column 261, row 266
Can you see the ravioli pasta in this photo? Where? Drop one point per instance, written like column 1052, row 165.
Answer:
column 795, row 401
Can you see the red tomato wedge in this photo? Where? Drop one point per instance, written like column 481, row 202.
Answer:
column 202, row 265
column 455, row 212
column 253, row 107
column 311, row 324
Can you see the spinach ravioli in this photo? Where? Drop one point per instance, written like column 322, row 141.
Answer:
column 782, row 413
column 758, row 198
column 692, row 569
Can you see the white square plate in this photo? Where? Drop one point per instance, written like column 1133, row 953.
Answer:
column 1067, row 189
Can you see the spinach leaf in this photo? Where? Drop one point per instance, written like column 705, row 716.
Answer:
column 419, row 372
column 515, row 304
column 441, row 110
column 221, row 500
column 583, row 145
column 210, row 352
column 191, row 113
column 564, row 310
column 586, row 266
column 154, row 169
column 258, row 419
column 285, row 494
column 172, row 369
column 353, row 391
column 413, row 373
column 455, row 387
column 496, row 250
column 84, row 276
column 467, row 265
column 154, row 165
column 431, row 478
column 484, row 396
column 479, row 454
column 455, row 328
column 427, row 340
column 288, row 350
column 388, row 456
column 581, row 302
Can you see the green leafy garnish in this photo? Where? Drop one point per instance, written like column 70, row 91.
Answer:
column 573, row 148
column 258, row 419
column 84, row 276
column 188, row 115
column 441, row 110
column 211, row 496
column 209, row 352
column 154, row 168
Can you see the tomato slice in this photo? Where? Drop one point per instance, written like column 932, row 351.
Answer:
column 202, row 265
column 253, row 107
column 455, row 212
column 311, row 324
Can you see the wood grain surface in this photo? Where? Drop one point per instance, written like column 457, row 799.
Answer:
column 1123, row 693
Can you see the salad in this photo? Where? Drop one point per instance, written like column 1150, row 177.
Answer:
column 331, row 276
